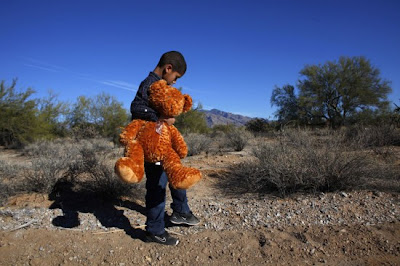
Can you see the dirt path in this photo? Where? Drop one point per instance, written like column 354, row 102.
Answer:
column 357, row 228
column 328, row 245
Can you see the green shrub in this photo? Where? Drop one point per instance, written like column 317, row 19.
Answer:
column 192, row 122
column 24, row 120
column 100, row 116
column 217, row 129
column 18, row 120
column 258, row 126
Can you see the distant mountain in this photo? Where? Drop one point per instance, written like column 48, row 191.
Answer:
column 217, row 117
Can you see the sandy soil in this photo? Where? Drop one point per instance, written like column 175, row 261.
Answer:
column 336, row 246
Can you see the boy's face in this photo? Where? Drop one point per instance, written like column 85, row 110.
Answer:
column 170, row 76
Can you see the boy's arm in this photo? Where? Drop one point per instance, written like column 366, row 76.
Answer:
column 143, row 112
column 140, row 108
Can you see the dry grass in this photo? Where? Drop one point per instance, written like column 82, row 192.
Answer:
column 237, row 138
column 289, row 162
column 197, row 143
column 308, row 161
column 87, row 165
column 219, row 142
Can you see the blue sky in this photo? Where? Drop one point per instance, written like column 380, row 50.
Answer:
column 237, row 51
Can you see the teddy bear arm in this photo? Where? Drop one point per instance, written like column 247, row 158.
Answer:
column 178, row 143
column 130, row 132
column 179, row 176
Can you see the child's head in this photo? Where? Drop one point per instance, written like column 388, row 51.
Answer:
column 172, row 65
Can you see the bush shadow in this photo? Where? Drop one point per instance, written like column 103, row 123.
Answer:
column 72, row 201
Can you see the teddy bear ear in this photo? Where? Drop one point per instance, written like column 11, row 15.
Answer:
column 188, row 103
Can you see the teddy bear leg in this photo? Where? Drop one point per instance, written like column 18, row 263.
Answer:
column 130, row 168
column 179, row 177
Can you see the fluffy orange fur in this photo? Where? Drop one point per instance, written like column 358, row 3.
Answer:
column 144, row 144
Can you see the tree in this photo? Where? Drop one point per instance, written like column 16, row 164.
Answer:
column 192, row 121
column 80, row 112
column 51, row 111
column 108, row 114
column 18, row 119
column 101, row 115
column 286, row 101
column 336, row 90
column 258, row 125
column 395, row 118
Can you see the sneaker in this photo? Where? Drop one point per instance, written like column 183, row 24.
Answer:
column 184, row 218
column 164, row 239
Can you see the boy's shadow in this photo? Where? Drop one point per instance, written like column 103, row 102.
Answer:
column 73, row 201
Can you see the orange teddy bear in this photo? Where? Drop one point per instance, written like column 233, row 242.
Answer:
column 147, row 141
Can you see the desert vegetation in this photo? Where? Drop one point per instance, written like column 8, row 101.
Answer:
column 317, row 161
column 85, row 165
column 338, row 132
column 282, row 163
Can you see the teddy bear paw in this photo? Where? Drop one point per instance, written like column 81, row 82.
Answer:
column 127, row 171
column 186, row 178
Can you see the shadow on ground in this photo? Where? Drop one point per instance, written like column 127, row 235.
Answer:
column 72, row 201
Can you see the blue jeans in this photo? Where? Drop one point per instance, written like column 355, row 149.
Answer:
column 156, row 183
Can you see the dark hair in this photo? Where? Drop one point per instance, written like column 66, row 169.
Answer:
column 174, row 58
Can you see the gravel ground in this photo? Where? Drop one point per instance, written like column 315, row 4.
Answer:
column 344, row 208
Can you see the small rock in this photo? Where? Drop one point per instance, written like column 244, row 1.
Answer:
column 312, row 251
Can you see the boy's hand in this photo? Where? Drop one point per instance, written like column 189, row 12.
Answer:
column 170, row 120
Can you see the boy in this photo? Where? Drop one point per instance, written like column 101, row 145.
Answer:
column 171, row 67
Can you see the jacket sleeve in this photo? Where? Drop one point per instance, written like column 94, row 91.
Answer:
column 140, row 111
column 140, row 108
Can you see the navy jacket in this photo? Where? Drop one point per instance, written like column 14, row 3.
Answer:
column 140, row 108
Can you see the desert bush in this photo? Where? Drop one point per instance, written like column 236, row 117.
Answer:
column 221, row 142
column 258, row 126
column 84, row 131
column 298, row 162
column 93, row 173
column 6, row 170
column 50, row 160
column 4, row 193
column 237, row 138
column 217, row 129
column 373, row 136
column 10, row 171
column 10, row 178
column 229, row 138
column 53, row 160
column 197, row 143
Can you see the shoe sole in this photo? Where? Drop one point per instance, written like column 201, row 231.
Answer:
column 150, row 240
column 186, row 223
